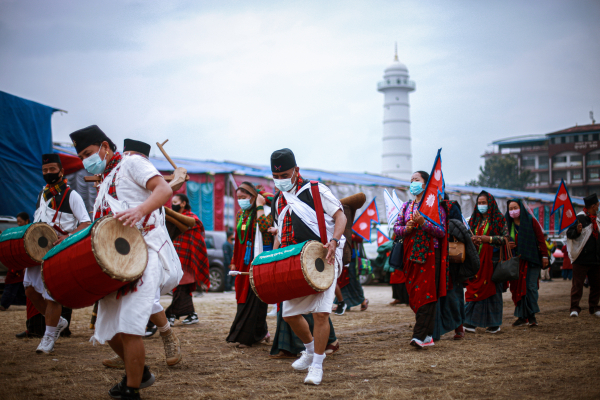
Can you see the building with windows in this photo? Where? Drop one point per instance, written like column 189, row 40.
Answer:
column 571, row 154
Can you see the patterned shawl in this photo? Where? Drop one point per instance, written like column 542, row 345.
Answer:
column 191, row 249
column 496, row 219
column 527, row 245
column 50, row 191
column 112, row 190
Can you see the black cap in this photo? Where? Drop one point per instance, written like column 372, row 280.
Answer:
column 282, row 160
column 88, row 136
column 136, row 145
column 50, row 158
column 590, row 200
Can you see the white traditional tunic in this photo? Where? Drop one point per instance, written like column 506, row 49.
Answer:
column 67, row 222
column 130, row 313
column 321, row 302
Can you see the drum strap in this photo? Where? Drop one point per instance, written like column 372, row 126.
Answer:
column 56, row 227
column 314, row 188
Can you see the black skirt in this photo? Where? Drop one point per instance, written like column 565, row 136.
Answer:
column 400, row 293
column 182, row 304
column 250, row 323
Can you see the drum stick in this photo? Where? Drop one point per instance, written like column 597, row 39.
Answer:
column 160, row 146
column 96, row 178
column 234, row 273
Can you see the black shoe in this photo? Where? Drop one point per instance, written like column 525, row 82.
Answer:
column 533, row 321
column 22, row 335
column 191, row 319
column 150, row 329
column 116, row 391
column 130, row 393
column 520, row 322
column 341, row 308
column 493, row 329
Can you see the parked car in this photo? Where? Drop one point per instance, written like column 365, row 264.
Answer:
column 214, row 247
column 6, row 222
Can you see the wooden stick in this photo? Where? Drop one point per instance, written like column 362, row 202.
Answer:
column 96, row 178
column 160, row 146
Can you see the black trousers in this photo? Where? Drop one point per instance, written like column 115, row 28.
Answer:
column 579, row 274
column 425, row 317
column 182, row 304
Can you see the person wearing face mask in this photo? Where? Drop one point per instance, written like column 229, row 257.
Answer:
column 296, row 221
column 134, row 192
column 526, row 240
column 484, row 297
column 584, row 253
column 191, row 249
column 63, row 209
column 250, row 323
column 425, row 261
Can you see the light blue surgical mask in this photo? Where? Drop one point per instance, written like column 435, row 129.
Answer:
column 482, row 208
column 244, row 204
column 93, row 164
column 416, row 188
column 285, row 185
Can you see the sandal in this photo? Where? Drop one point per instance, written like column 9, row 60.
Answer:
column 364, row 305
column 332, row 348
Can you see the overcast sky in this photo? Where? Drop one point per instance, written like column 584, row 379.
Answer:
column 227, row 80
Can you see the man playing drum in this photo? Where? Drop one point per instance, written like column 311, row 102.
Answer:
column 295, row 216
column 134, row 191
column 62, row 208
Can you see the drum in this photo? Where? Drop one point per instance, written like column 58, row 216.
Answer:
column 291, row 272
column 94, row 262
column 25, row 246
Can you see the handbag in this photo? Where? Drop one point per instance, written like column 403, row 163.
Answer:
column 397, row 255
column 456, row 252
column 506, row 270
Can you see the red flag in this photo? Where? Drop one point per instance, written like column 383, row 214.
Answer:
column 362, row 225
column 434, row 192
column 381, row 238
column 563, row 200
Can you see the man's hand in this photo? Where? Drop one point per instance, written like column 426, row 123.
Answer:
column 331, row 247
column 579, row 227
column 512, row 245
column 130, row 217
column 60, row 239
column 260, row 200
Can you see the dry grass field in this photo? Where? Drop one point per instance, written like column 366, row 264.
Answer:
column 557, row 360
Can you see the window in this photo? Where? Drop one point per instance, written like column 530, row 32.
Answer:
column 585, row 138
column 575, row 138
column 559, row 160
column 593, row 173
column 544, row 178
column 552, row 140
column 558, row 175
column 593, row 159
column 595, row 136
column 577, row 175
column 528, row 161
column 210, row 242
column 579, row 191
column 563, row 139
column 543, row 162
column 576, row 160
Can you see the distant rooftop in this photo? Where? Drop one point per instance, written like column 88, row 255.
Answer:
column 577, row 129
column 520, row 139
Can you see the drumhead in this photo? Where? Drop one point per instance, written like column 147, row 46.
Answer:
column 318, row 273
column 38, row 240
column 120, row 250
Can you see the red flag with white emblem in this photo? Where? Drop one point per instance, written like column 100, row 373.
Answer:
column 362, row 225
column 433, row 194
column 381, row 238
column 562, row 200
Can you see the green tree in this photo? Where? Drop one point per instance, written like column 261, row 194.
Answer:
column 502, row 171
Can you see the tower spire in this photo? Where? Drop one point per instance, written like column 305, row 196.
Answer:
column 396, row 51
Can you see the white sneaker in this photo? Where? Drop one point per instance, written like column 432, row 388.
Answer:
column 46, row 345
column 428, row 341
column 314, row 376
column 61, row 326
column 597, row 314
column 574, row 314
column 303, row 362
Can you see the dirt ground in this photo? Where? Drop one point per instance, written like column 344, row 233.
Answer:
column 557, row 360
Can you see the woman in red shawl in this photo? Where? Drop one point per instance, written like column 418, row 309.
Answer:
column 250, row 323
column 484, row 297
column 425, row 261
column 191, row 250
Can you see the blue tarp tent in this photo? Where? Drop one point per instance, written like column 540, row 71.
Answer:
column 25, row 134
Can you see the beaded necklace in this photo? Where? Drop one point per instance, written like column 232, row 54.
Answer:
column 243, row 226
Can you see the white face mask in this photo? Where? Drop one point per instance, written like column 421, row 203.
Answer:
column 285, row 185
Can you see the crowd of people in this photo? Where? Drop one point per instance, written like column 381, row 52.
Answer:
column 447, row 292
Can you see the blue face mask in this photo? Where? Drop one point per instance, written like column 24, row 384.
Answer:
column 416, row 188
column 93, row 164
column 285, row 185
column 482, row 208
column 244, row 204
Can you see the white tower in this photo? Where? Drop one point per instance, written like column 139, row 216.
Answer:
column 396, row 157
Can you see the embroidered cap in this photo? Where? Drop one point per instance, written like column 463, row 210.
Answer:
column 88, row 136
column 51, row 158
column 136, row 145
column 282, row 160
column 590, row 200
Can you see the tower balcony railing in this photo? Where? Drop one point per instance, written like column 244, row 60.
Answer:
column 396, row 83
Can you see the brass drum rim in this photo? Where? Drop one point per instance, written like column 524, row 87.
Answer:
column 304, row 270
column 104, row 269
column 29, row 230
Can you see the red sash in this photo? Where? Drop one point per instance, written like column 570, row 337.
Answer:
column 481, row 286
